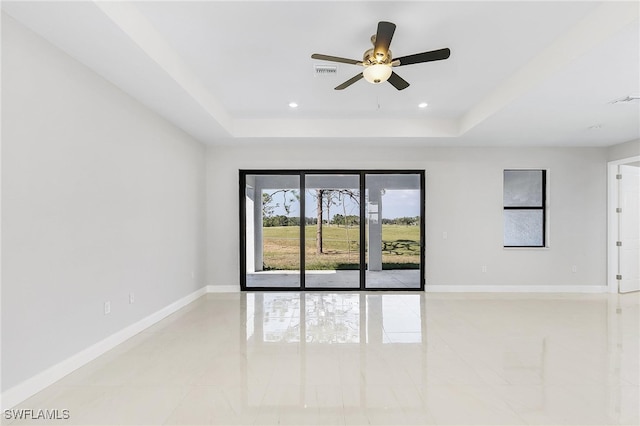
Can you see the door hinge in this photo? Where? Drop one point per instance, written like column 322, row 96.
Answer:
column 618, row 277
column 619, row 210
column 618, row 176
column 619, row 243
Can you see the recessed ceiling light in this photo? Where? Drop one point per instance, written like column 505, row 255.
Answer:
column 595, row 127
column 293, row 105
column 423, row 105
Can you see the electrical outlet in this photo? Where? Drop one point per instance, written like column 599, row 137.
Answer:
column 574, row 269
column 193, row 274
column 445, row 235
column 484, row 268
column 107, row 308
column 131, row 298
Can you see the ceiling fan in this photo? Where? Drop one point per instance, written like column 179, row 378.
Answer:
column 378, row 61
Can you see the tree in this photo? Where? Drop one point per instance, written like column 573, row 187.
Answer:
column 327, row 198
column 347, row 221
column 269, row 206
column 319, row 195
column 406, row 221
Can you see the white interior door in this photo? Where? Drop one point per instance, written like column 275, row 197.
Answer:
column 629, row 228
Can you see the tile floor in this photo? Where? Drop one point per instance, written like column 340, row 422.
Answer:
column 368, row 358
column 387, row 279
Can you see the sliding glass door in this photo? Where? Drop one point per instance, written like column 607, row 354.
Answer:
column 393, row 230
column 332, row 236
column 272, row 230
column 332, row 230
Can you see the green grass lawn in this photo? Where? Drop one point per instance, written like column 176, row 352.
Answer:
column 401, row 248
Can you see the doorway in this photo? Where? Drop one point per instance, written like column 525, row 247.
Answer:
column 624, row 225
column 332, row 230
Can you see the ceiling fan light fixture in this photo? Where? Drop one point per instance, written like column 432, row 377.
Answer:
column 377, row 61
column 377, row 73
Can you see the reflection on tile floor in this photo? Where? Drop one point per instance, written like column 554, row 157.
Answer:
column 387, row 279
column 368, row 358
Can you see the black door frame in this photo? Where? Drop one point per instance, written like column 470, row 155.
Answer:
column 362, row 245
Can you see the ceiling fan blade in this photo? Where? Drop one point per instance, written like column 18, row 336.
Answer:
column 434, row 55
column 336, row 59
column 397, row 81
column 383, row 38
column 349, row 82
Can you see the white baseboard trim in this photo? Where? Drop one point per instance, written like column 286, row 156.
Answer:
column 17, row 394
column 516, row 289
column 223, row 289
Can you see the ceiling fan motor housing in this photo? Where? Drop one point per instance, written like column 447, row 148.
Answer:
column 370, row 58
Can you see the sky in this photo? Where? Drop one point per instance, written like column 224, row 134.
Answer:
column 395, row 203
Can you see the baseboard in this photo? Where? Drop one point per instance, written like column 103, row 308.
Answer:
column 516, row 289
column 223, row 289
column 546, row 288
column 15, row 395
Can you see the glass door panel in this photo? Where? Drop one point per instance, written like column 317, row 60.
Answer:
column 332, row 231
column 393, row 231
column 272, row 231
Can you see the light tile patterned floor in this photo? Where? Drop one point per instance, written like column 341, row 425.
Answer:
column 368, row 358
column 387, row 279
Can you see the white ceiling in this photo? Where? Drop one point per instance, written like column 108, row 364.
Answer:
column 520, row 73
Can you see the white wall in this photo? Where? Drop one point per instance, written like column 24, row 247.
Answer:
column 624, row 150
column 463, row 198
column 100, row 198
